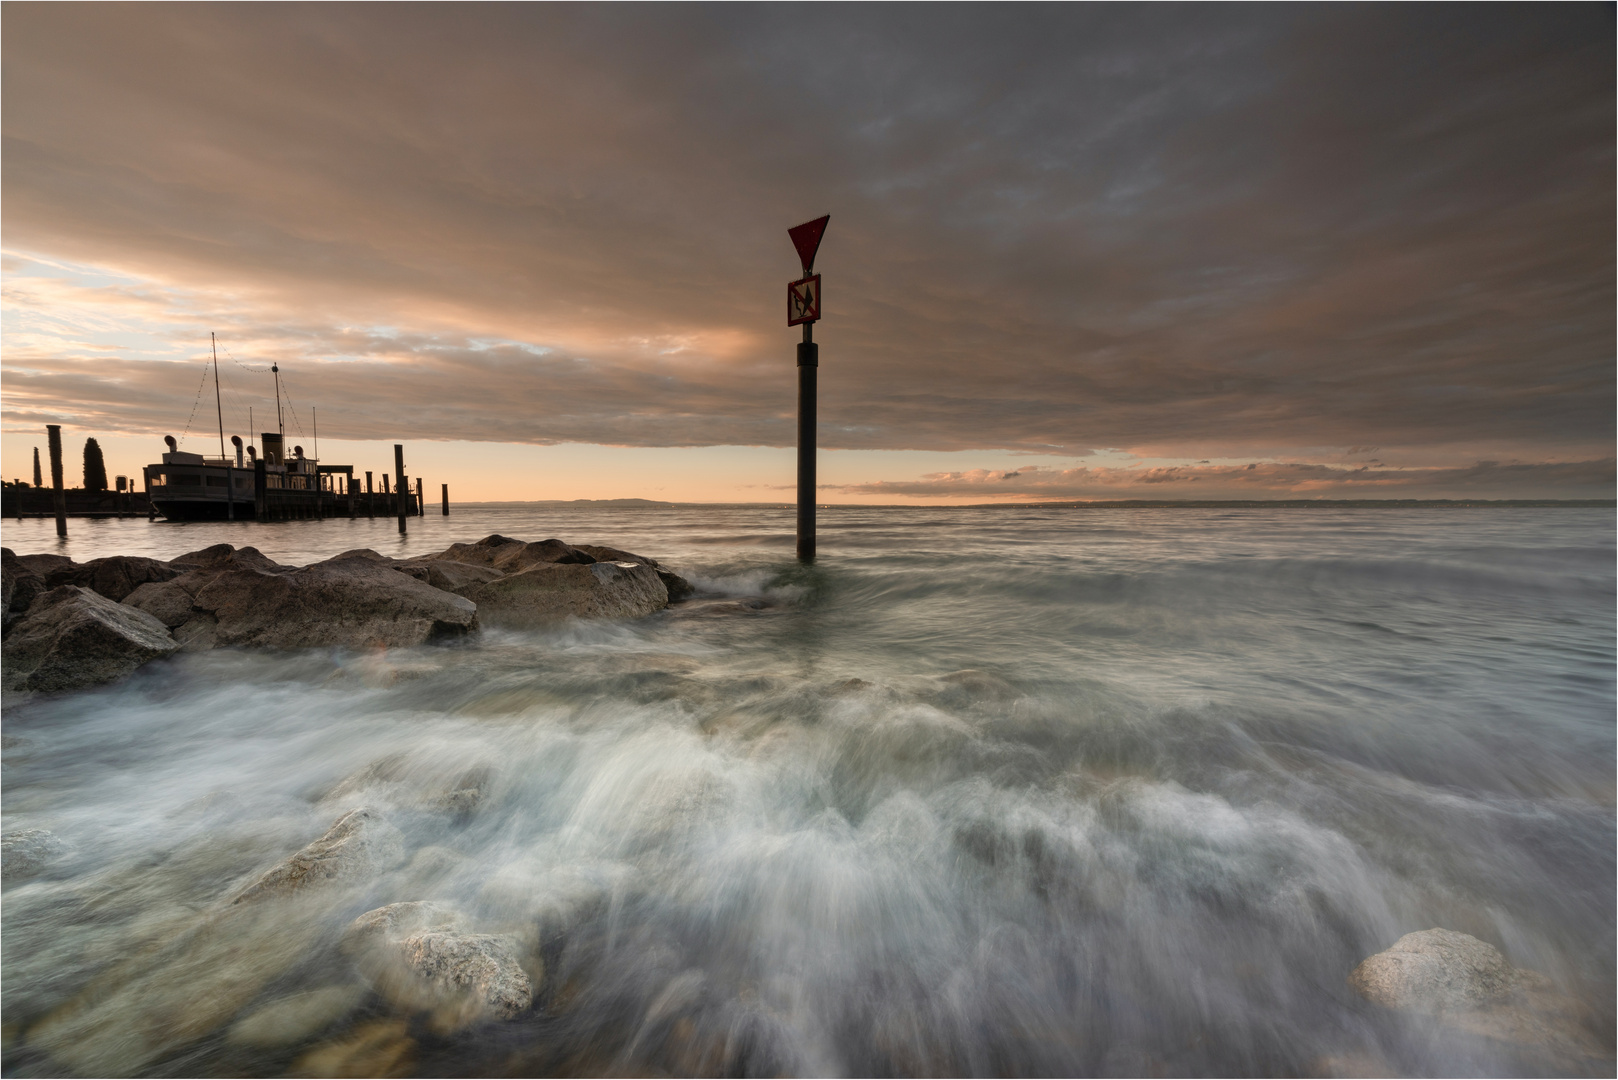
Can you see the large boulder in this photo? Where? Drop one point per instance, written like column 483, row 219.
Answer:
column 359, row 844
column 226, row 557
column 356, row 600
column 678, row 587
column 549, row 592
column 73, row 637
column 20, row 582
column 114, row 577
column 1434, row 971
column 508, row 556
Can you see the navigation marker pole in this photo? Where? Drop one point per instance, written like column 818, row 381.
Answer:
column 803, row 307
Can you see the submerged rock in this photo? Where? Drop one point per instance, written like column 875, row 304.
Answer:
column 415, row 955
column 26, row 852
column 293, row 1019
column 1434, row 971
column 73, row 637
column 1469, row 986
column 361, row 843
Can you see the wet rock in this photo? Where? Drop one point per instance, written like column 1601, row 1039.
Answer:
column 1434, row 971
column 354, row 601
column 293, row 1019
column 678, row 587
column 73, row 637
column 360, row 844
column 384, row 924
column 20, row 582
column 508, row 556
column 378, row 1048
column 416, row 956
column 26, row 852
column 479, row 975
column 549, row 592
column 146, row 1008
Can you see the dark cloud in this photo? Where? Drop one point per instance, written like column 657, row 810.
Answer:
column 1262, row 480
column 1053, row 228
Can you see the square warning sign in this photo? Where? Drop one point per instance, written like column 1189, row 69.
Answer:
column 803, row 300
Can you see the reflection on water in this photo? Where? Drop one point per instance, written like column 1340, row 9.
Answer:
column 1028, row 792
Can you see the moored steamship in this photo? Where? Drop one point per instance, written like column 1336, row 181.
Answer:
column 191, row 487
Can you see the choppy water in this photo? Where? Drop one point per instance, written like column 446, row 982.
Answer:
column 1007, row 791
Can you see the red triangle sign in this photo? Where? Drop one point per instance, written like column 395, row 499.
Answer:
column 806, row 238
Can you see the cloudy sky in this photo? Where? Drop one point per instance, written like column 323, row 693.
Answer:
column 1075, row 251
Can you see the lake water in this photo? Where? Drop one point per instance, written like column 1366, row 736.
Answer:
column 1010, row 791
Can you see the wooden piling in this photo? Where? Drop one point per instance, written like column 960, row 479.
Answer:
column 370, row 497
column 421, row 505
column 446, row 500
column 58, row 496
column 399, row 487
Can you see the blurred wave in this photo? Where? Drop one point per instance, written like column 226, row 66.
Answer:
column 984, row 791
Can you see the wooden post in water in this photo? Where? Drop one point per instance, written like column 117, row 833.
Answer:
column 261, row 490
column 421, row 505
column 446, row 500
column 370, row 500
column 399, row 487
column 58, row 496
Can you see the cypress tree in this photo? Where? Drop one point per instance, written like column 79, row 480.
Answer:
column 95, row 468
column 38, row 480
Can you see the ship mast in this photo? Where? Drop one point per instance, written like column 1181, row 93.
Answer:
column 218, row 407
column 280, row 422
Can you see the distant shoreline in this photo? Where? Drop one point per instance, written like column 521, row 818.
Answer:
column 1115, row 504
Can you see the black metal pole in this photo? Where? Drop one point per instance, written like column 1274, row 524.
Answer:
column 58, row 496
column 399, row 483
column 808, row 370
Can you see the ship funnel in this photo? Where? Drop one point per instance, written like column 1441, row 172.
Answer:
column 236, row 441
column 173, row 446
column 252, row 453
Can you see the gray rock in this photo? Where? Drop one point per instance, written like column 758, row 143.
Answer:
column 73, row 637
column 447, row 574
column 19, row 584
column 1435, row 971
column 226, row 557
column 359, row 845
column 26, row 852
column 509, row 556
column 549, row 592
column 678, row 587
column 356, row 600
column 114, row 577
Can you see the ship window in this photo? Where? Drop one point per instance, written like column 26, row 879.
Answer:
column 159, row 479
column 216, row 481
column 243, row 483
column 191, row 479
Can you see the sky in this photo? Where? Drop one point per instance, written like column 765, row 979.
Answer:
column 1075, row 251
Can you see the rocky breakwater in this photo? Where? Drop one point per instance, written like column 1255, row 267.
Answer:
column 68, row 625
